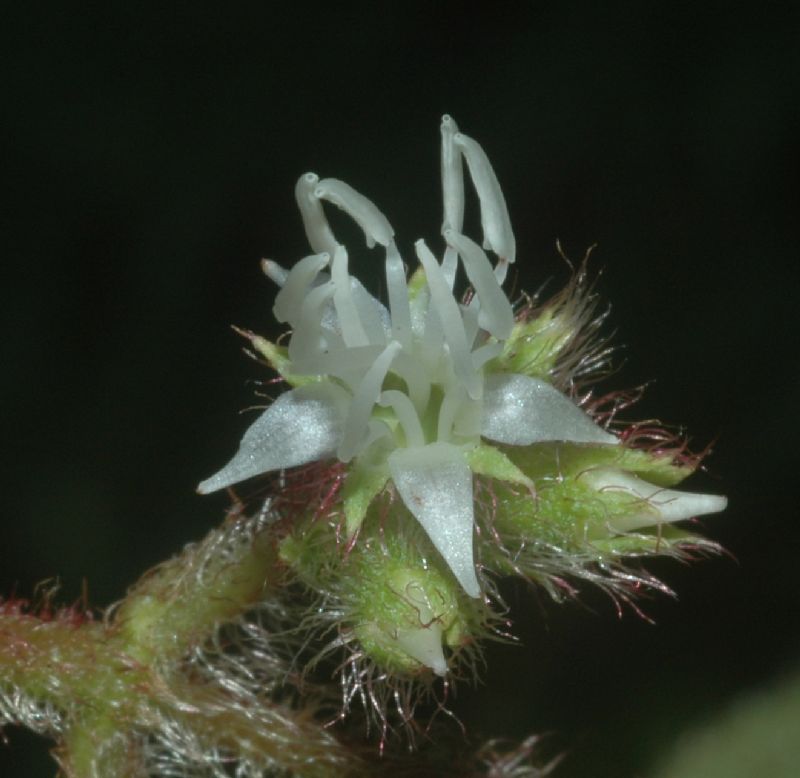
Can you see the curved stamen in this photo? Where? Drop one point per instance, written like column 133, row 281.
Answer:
column 349, row 321
column 376, row 430
column 496, row 314
column 450, row 266
column 453, row 398
column 419, row 386
column 364, row 399
column 406, row 415
column 318, row 231
column 398, row 296
column 501, row 270
column 470, row 315
column 497, row 233
column 289, row 300
column 360, row 209
column 275, row 272
column 432, row 339
column 307, row 338
column 452, row 178
column 484, row 353
column 450, row 317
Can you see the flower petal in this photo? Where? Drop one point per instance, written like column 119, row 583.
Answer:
column 425, row 645
column 435, row 483
column 520, row 410
column 301, row 426
column 657, row 504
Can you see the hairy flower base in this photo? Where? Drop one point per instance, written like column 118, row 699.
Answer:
column 389, row 597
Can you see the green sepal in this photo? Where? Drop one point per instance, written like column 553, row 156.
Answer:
column 564, row 510
column 534, row 346
column 548, row 460
column 392, row 593
column 278, row 359
column 491, row 462
column 360, row 488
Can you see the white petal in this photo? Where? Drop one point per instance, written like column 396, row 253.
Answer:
column 435, row 483
column 520, row 410
column 301, row 426
column 424, row 645
column 658, row 504
column 318, row 231
column 497, row 233
column 423, row 642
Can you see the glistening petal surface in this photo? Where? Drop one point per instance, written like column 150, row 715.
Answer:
column 435, row 483
column 520, row 410
column 657, row 503
column 301, row 426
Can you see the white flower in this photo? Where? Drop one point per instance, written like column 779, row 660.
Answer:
column 404, row 393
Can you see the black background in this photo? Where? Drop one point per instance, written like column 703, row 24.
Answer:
column 150, row 157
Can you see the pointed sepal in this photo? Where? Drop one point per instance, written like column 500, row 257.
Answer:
column 647, row 504
column 491, row 462
column 520, row 410
column 363, row 484
column 435, row 483
column 301, row 426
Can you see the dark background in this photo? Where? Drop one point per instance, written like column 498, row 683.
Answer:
column 150, row 158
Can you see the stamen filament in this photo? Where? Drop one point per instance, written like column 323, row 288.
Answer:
column 406, row 415
column 364, row 399
column 497, row 233
column 306, row 341
column 318, row 231
column 497, row 316
column 398, row 296
column 452, row 177
column 360, row 209
column 450, row 318
column 289, row 300
column 349, row 321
